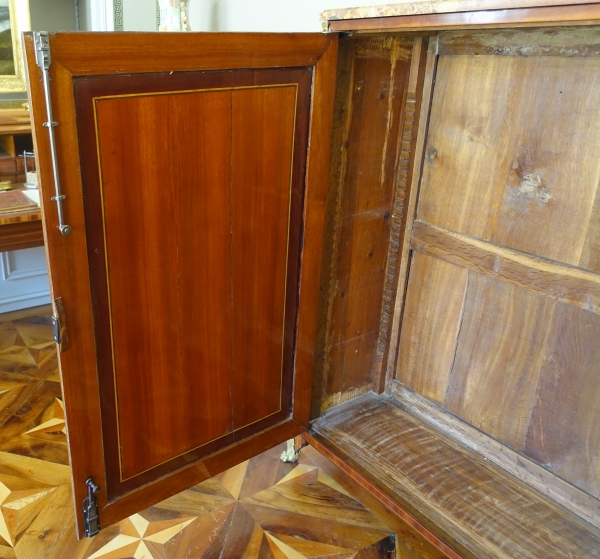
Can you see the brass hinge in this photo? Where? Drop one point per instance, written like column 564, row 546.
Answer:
column 91, row 520
column 59, row 328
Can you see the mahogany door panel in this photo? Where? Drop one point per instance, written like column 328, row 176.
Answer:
column 185, row 286
column 268, row 166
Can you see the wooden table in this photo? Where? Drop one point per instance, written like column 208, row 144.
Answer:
column 19, row 230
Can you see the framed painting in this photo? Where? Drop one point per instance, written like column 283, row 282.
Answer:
column 14, row 19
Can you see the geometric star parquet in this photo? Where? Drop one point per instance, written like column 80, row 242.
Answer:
column 260, row 509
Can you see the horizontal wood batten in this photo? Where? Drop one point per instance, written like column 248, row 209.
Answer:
column 484, row 19
column 97, row 53
column 564, row 283
column 557, row 489
column 574, row 41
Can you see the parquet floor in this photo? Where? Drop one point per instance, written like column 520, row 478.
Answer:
column 261, row 508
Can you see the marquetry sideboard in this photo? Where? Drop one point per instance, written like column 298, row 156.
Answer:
column 385, row 237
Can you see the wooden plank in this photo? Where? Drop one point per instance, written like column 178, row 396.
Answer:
column 565, row 420
column 498, row 357
column 263, row 122
column 580, row 502
column 501, row 359
column 588, row 14
column 153, row 52
column 408, row 530
column 564, row 283
column 331, row 239
column 503, row 171
column 315, row 196
column 569, row 42
column 410, row 212
column 370, row 105
column 471, row 504
column 404, row 170
column 431, row 324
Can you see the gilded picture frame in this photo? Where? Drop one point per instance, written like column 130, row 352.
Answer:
column 12, row 77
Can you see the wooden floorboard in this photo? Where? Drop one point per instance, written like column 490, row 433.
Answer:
column 260, row 509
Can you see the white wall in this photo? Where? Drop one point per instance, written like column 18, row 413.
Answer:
column 23, row 279
column 139, row 15
column 238, row 15
column 270, row 15
column 57, row 15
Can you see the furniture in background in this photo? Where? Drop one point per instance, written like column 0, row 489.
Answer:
column 18, row 230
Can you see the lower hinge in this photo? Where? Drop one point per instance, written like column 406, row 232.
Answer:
column 91, row 520
column 59, row 329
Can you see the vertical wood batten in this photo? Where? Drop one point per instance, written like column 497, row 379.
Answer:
column 411, row 209
column 405, row 169
column 321, row 118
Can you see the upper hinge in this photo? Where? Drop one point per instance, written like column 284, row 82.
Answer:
column 42, row 50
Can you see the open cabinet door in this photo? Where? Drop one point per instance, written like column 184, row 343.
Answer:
column 186, row 284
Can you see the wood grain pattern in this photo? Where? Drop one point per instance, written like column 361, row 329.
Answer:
column 404, row 249
column 509, row 198
column 380, row 76
column 432, row 318
column 158, row 272
column 261, row 191
column 499, row 356
column 507, row 174
column 151, row 288
column 568, row 284
column 588, row 14
column 563, row 433
column 405, row 170
column 299, row 50
column 564, row 42
column 153, row 52
column 409, row 532
column 469, row 503
column 370, row 100
column 581, row 503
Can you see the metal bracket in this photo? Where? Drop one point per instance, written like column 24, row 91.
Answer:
column 43, row 59
column 59, row 328
column 91, row 520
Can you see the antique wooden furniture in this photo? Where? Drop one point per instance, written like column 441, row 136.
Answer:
column 23, row 229
column 436, row 278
